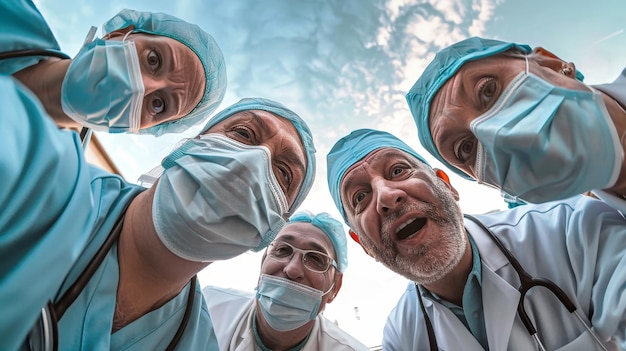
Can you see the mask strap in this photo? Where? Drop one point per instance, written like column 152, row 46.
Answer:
column 126, row 35
column 526, row 59
column 90, row 35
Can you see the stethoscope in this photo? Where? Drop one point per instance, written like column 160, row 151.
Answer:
column 85, row 133
column 44, row 335
column 527, row 283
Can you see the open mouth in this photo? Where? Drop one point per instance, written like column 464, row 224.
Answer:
column 410, row 227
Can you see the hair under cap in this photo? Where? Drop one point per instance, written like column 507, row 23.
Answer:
column 333, row 230
column 196, row 39
column 303, row 131
column 351, row 149
column 445, row 64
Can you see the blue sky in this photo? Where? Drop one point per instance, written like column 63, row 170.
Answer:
column 347, row 64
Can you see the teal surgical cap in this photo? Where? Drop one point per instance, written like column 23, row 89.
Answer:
column 332, row 228
column 199, row 41
column 445, row 64
column 351, row 149
column 278, row 109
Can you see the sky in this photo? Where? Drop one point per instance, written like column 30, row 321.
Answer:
column 343, row 65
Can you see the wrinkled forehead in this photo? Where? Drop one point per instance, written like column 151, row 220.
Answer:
column 378, row 157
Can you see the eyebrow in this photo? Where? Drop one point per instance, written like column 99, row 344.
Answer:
column 290, row 238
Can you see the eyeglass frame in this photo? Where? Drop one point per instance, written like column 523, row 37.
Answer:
column 303, row 253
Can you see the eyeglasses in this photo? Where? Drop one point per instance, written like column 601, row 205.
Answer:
column 313, row 260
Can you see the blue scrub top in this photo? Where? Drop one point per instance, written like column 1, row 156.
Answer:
column 23, row 27
column 88, row 322
column 45, row 203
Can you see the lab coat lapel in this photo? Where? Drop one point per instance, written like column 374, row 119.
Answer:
column 500, row 298
column 500, row 302
column 450, row 332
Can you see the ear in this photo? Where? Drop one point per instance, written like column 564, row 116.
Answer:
column 547, row 59
column 446, row 180
column 355, row 237
column 335, row 290
column 119, row 32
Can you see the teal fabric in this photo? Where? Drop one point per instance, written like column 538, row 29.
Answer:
column 23, row 27
column 87, row 323
column 333, row 230
column 352, row 148
column 278, row 109
column 196, row 39
column 45, row 201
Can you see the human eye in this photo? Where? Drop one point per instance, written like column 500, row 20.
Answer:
column 358, row 199
column 243, row 134
column 398, row 170
column 487, row 89
column 317, row 260
column 157, row 104
column 281, row 250
column 283, row 173
column 154, row 60
column 464, row 149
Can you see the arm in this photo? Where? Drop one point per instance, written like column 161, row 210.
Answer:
column 401, row 330
column 597, row 245
column 45, row 203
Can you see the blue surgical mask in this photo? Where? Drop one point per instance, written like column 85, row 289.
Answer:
column 285, row 304
column 540, row 142
column 103, row 87
column 217, row 199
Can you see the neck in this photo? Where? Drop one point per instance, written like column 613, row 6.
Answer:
column 451, row 286
column 280, row 340
column 617, row 113
column 45, row 80
column 150, row 275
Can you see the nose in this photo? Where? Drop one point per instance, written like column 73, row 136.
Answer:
column 294, row 269
column 150, row 84
column 388, row 197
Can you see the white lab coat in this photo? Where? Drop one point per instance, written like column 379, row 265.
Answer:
column 617, row 90
column 232, row 314
column 579, row 244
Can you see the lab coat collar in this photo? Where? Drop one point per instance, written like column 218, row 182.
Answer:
column 500, row 298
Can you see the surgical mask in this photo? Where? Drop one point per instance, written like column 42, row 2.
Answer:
column 103, row 87
column 217, row 199
column 540, row 142
column 287, row 305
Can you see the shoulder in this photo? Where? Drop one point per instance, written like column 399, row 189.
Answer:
column 331, row 337
column 568, row 217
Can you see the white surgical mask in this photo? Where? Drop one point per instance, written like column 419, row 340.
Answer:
column 103, row 87
column 285, row 304
column 217, row 199
column 540, row 142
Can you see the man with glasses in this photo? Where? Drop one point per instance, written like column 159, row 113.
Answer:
column 301, row 272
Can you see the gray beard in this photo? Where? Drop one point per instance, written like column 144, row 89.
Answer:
column 433, row 263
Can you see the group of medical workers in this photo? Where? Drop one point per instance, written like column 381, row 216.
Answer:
column 89, row 261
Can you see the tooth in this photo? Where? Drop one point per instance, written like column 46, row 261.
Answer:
column 401, row 226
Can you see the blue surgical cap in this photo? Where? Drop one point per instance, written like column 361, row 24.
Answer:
column 445, row 64
column 351, row 149
column 332, row 228
column 278, row 109
column 199, row 41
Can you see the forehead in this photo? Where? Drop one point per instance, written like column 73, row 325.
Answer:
column 306, row 236
column 377, row 159
column 270, row 124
